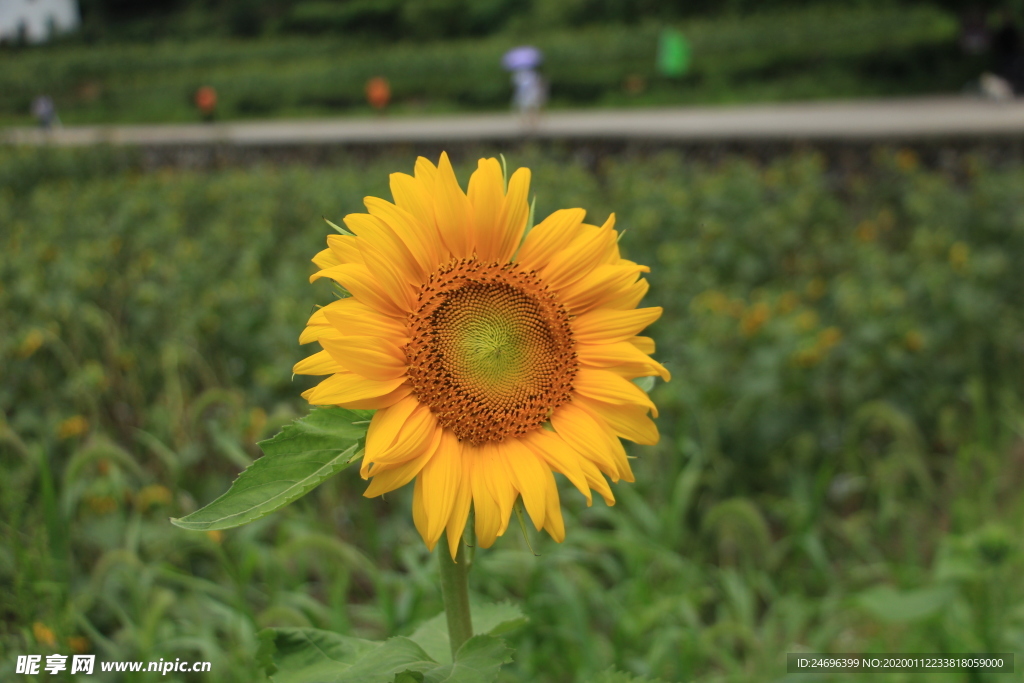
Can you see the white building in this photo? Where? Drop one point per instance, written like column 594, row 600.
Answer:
column 36, row 20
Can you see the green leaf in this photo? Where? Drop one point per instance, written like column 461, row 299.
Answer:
column 477, row 661
column 266, row 650
column 613, row 676
column 394, row 656
column 890, row 604
column 409, row 677
column 645, row 383
column 296, row 460
column 493, row 619
column 309, row 655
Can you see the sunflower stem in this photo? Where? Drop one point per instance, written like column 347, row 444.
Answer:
column 455, row 590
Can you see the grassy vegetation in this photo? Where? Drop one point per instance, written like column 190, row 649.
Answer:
column 809, row 53
column 841, row 465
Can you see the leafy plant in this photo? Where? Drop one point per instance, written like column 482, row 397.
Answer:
column 846, row 359
column 812, row 52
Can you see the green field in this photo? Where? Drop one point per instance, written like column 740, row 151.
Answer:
column 841, row 465
column 810, row 53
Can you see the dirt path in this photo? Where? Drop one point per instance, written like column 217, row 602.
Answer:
column 923, row 118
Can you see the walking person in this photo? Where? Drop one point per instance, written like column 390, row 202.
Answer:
column 45, row 112
column 530, row 90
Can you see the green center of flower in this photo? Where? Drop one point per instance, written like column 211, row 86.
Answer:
column 491, row 350
column 493, row 339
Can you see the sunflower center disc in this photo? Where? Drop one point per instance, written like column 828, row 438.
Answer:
column 491, row 350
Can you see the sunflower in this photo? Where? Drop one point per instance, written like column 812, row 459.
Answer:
column 493, row 358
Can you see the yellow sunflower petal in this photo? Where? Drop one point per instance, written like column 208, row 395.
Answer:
column 315, row 326
column 377, row 402
column 529, row 477
column 419, row 508
column 628, row 422
column 553, row 522
column 319, row 363
column 628, row 298
column 344, row 387
column 606, row 386
column 326, row 259
column 319, row 316
column 620, row 353
column 384, row 428
column 603, row 326
column 485, row 507
column 389, row 249
column 313, row 333
column 486, row 194
column 512, row 218
column 426, row 172
column 612, row 443
column 386, row 258
column 586, row 252
column 353, row 317
column 499, row 482
column 370, row 357
column 560, row 457
column 585, row 435
column 454, row 212
column 549, row 237
column 390, row 479
column 597, row 481
column 418, row 232
column 441, row 479
column 357, row 279
column 645, row 344
column 419, row 433
column 412, row 196
column 345, row 248
column 603, row 282
column 460, row 509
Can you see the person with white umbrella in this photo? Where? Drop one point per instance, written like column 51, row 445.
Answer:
column 530, row 92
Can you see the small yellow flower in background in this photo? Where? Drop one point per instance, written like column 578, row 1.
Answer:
column 906, row 160
column 808, row 357
column 829, row 337
column 31, row 343
column 736, row 308
column 807, row 321
column 788, row 302
column 959, row 256
column 867, row 231
column 815, row 289
column 713, row 300
column 886, row 220
column 913, row 340
column 215, row 535
column 101, row 505
column 492, row 359
column 75, row 425
column 154, row 494
column 754, row 319
column 43, row 634
column 79, row 644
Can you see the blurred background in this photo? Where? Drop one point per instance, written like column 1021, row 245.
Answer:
column 842, row 457
column 104, row 61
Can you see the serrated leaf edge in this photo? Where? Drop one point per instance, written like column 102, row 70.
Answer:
column 183, row 523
